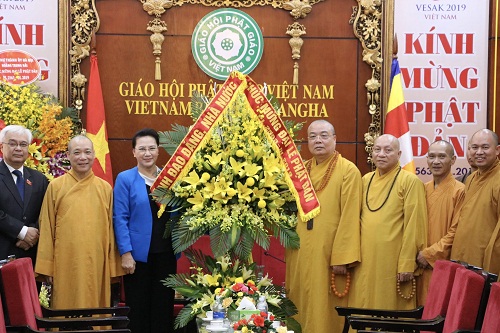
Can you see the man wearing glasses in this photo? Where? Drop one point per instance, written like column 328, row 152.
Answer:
column 21, row 195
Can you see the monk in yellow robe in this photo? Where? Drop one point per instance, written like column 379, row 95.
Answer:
column 444, row 196
column 330, row 242
column 77, row 251
column 477, row 239
column 393, row 231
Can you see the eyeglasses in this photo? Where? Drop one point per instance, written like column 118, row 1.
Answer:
column 143, row 150
column 322, row 136
column 13, row 144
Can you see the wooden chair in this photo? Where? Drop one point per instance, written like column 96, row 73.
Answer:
column 491, row 322
column 436, row 303
column 462, row 312
column 23, row 306
column 27, row 329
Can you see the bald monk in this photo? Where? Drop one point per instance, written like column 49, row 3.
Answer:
column 77, row 251
column 393, row 231
column 330, row 242
column 444, row 196
column 477, row 240
column 472, row 164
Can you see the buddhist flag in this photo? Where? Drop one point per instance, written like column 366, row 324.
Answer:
column 395, row 120
column 96, row 124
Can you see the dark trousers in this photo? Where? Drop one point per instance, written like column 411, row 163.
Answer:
column 151, row 303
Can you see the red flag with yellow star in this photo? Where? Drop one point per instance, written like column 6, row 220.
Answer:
column 96, row 124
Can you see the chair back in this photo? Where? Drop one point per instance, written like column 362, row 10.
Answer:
column 491, row 322
column 490, row 279
column 2, row 320
column 438, row 295
column 465, row 300
column 21, row 295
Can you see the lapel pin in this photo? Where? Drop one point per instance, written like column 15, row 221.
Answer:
column 28, row 182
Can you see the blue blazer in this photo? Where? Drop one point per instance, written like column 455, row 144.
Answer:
column 132, row 216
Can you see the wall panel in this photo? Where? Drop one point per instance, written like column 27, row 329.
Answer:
column 330, row 61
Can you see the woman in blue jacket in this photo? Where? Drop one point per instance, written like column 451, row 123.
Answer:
column 147, row 257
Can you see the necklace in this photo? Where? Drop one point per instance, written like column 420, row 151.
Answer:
column 386, row 198
column 328, row 173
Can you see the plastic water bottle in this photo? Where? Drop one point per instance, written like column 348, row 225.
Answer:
column 219, row 310
column 262, row 304
column 283, row 290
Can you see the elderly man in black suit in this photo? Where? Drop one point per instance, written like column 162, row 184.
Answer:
column 21, row 195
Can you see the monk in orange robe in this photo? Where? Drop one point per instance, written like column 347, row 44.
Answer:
column 77, row 251
column 477, row 239
column 444, row 195
column 463, row 177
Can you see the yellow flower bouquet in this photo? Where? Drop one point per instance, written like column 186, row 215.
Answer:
column 51, row 125
column 236, row 175
column 235, row 191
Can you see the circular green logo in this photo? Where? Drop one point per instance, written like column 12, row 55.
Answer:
column 227, row 40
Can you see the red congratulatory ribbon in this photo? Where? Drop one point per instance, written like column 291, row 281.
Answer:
column 297, row 177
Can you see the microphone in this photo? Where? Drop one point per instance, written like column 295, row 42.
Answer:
column 274, row 257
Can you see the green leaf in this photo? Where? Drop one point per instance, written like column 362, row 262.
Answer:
column 184, row 317
column 234, row 235
column 293, row 325
column 71, row 113
column 220, row 242
column 181, row 284
column 288, row 237
column 183, row 237
column 199, row 103
column 170, row 225
column 170, row 140
column 261, row 238
column 244, row 247
column 286, row 308
column 167, row 197
column 199, row 259
column 175, row 280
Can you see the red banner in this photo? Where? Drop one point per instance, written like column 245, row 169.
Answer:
column 180, row 162
column 301, row 185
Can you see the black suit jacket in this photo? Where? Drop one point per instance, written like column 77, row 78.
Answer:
column 14, row 213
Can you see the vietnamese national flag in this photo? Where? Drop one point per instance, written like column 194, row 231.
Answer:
column 96, row 124
column 396, row 122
